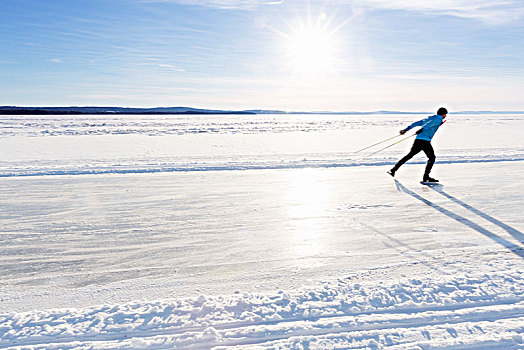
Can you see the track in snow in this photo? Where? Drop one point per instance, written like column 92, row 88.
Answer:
column 471, row 312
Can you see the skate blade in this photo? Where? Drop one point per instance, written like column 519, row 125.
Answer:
column 431, row 184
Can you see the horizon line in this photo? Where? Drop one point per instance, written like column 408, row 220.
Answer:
column 6, row 110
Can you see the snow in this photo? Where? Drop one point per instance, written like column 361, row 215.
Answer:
column 454, row 311
column 258, row 232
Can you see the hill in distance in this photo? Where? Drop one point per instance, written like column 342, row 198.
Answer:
column 17, row 110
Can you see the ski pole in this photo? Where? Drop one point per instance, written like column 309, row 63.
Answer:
column 393, row 144
column 378, row 143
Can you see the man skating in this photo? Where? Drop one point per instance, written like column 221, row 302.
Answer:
column 429, row 126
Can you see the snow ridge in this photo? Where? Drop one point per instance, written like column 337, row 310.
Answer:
column 160, row 125
column 458, row 312
column 168, row 167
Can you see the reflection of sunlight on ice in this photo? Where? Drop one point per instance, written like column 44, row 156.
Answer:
column 307, row 202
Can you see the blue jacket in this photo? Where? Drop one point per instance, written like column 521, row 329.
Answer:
column 429, row 126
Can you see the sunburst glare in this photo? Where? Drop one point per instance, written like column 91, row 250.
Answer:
column 311, row 47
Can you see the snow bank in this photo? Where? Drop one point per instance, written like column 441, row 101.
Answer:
column 152, row 167
column 457, row 312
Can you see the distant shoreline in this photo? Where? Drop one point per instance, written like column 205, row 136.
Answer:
column 46, row 112
column 15, row 110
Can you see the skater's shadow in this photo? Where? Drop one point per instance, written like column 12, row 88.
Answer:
column 511, row 230
column 516, row 249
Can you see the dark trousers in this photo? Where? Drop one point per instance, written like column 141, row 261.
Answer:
column 419, row 145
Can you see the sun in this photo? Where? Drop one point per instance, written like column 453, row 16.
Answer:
column 311, row 47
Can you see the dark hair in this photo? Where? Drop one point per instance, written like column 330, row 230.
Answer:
column 442, row 111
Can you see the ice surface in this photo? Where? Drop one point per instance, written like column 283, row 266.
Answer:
column 87, row 145
column 261, row 231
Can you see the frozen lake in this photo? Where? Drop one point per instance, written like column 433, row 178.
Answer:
column 72, row 145
column 113, row 209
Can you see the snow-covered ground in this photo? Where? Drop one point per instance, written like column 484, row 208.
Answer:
column 259, row 232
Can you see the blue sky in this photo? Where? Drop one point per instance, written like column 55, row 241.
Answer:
column 237, row 54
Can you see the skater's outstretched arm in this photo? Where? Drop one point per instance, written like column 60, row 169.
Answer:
column 427, row 122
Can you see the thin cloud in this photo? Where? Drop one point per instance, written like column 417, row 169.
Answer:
column 224, row 4
column 488, row 11
column 55, row 60
column 492, row 12
column 171, row 67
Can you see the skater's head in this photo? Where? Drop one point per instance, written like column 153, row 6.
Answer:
column 442, row 112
